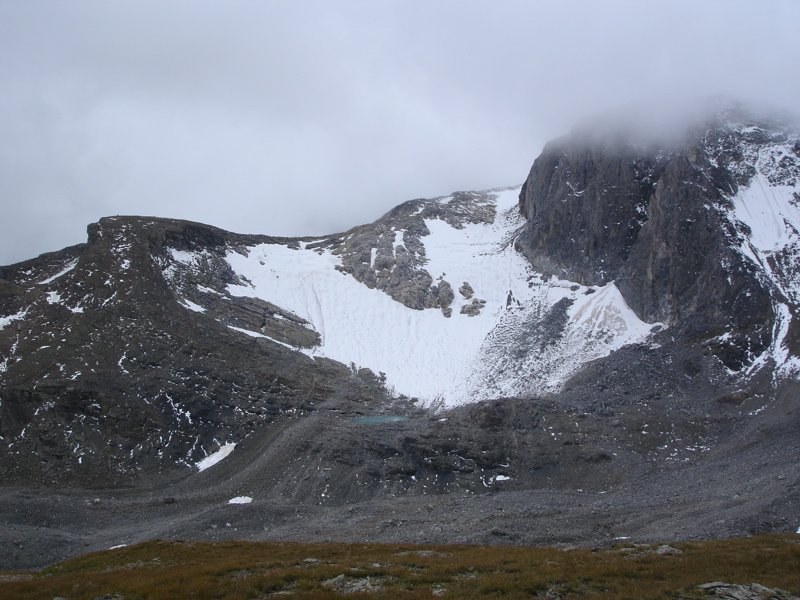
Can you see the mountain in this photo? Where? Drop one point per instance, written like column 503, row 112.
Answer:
column 609, row 351
column 701, row 236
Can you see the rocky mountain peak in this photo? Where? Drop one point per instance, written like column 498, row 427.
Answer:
column 658, row 221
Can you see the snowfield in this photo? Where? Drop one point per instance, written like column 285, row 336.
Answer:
column 426, row 355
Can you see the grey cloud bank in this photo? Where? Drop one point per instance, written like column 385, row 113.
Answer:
column 300, row 118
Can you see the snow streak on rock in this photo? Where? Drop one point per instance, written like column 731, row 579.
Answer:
column 766, row 213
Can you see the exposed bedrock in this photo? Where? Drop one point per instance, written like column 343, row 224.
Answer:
column 657, row 223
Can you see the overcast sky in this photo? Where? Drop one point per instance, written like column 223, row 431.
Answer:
column 301, row 117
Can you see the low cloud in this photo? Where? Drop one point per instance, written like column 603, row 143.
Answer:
column 307, row 118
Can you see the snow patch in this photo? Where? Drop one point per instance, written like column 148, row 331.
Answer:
column 248, row 332
column 55, row 298
column 70, row 265
column 184, row 256
column 769, row 213
column 214, row 458
column 606, row 317
column 208, row 290
column 240, row 500
column 192, row 306
column 11, row 318
column 397, row 242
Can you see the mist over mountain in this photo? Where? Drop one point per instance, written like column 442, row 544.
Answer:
column 608, row 351
column 306, row 118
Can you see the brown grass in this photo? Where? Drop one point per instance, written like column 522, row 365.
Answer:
column 244, row 571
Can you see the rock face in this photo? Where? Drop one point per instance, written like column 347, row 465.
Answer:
column 657, row 222
column 111, row 375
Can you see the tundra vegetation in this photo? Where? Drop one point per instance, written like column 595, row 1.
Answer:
column 246, row 570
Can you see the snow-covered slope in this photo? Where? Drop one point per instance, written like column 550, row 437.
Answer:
column 512, row 331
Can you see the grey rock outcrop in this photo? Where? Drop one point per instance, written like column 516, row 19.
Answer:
column 753, row 591
column 389, row 255
column 474, row 308
column 444, row 292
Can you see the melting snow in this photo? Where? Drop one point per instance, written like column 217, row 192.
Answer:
column 192, row 306
column 240, row 500
column 215, row 457
column 6, row 320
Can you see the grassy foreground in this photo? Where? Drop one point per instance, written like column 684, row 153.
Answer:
column 244, row 570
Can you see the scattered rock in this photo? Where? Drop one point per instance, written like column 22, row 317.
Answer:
column 666, row 550
column 499, row 532
column 15, row 577
column 352, row 585
column 754, row 591
column 446, row 297
column 474, row 308
column 466, row 290
column 241, row 574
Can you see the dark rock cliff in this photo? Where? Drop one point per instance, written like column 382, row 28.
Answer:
column 109, row 375
column 654, row 219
